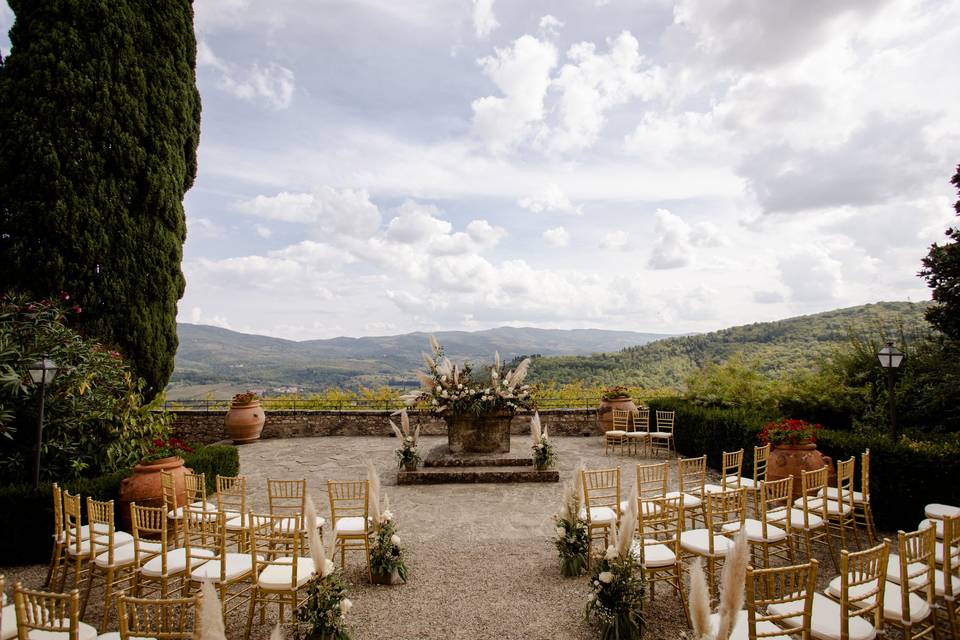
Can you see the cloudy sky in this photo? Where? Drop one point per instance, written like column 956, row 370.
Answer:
column 380, row 166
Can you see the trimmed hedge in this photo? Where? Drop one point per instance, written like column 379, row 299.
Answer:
column 904, row 476
column 26, row 516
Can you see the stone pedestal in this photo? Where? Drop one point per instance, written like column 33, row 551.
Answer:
column 467, row 433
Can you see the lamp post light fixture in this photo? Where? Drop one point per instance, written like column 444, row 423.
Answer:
column 890, row 358
column 42, row 372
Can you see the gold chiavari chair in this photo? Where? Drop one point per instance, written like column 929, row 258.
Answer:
column 937, row 511
column 283, row 566
column 58, row 556
column 350, row 515
column 167, row 570
column 752, row 484
column 840, row 511
column 601, row 499
column 659, row 525
column 721, row 512
column 809, row 521
column 862, row 511
column 78, row 548
column 948, row 578
column 790, row 587
column 287, row 498
column 766, row 539
column 195, row 496
column 41, row 614
column 662, row 438
column 111, row 556
column 160, row 619
column 232, row 502
column 8, row 614
column 909, row 594
column 205, row 533
column 730, row 478
column 639, row 430
column 861, row 587
column 617, row 435
column 651, row 483
column 692, row 479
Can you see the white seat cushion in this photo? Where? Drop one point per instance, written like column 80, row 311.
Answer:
column 351, row 525
column 927, row 523
column 176, row 562
column 689, row 501
column 115, row 635
column 698, row 541
column 237, row 564
column 939, row 511
column 824, row 619
column 919, row 608
column 598, row 515
column 123, row 556
column 744, row 481
column 86, row 632
column 832, row 494
column 638, row 434
column 84, row 533
column 277, row 577
column 741, row 627
column 616, row 433
column 649, row 508
column 284, row 524
column 655, row 554
column 940, row 578
column 120, row 539
column 660, row 434
column 833, row 507
column 177, row 514
column 755, row 531
column 796, row 518
column 8, row 623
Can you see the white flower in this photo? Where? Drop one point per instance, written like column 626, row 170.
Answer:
column 439, row 388
column 460, row 386
column 561, row 531
column 395, row 540
column 408, row 439
column 493, row 374
column 443, row 378
column 345, row 606
column 605, row 577
column 591, row 597
column 386, row 516
column 435, row 403
column 611, row 553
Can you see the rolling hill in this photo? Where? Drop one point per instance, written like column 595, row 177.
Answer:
column 780, row 346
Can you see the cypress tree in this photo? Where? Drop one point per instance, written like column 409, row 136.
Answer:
column 941, row 269
column 99, row 126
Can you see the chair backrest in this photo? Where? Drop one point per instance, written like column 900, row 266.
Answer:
column 232, row 495
column 732, row 467
column 204, row 531
column 760, row 457
column 348, row 499
column 287, row 497
column 845, row 474
column 45, row 611
column 57, row 513
column 862, row 581
column 865, row 475
column 102, row 528
column 951, row 553
column 641, row 419
column 163, row 619
column 621, row 419
column 195, row 485
column 273, row 542
column 601, row 488
column 813, row 484
column 168, row 490
column 780, row 585
column 72, row 521
column 149, row 524
column 775, row 496
column 724, row 507
column 660, row 521
column 652, row 480
column 692, row 474
column 665, row 421
column 917, row 551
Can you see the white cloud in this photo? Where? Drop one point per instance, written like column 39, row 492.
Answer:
column 484, row 234
column 346, row 212
column 484, row 22
column 616, row 241
column 811, row 275
column 202, row 228
column 556, row 237
column 262, row 231
column 271, row 83
column 676, row 239
column 198, row 317
column 550, row 199
column 768, row 297
column 550, row 26
column 416, row 224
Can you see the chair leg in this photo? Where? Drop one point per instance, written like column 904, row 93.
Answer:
column 86, row 593
column 250, row 611
column 366, row 549
column 54, row 563
column 107, row 598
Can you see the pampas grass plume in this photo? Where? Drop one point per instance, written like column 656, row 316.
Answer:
column 520, row 373
column 434, row 345
column 699, row 601
column 535, row 428
column 313, row 535
column 211, row 615
column 628, row 523
column 732, row 584
column 277, row 633
column 373, row 497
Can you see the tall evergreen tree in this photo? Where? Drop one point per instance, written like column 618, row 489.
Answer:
column 941, row 268
column 99, row 126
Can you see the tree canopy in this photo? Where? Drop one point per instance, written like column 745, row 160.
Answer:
column 941, row 268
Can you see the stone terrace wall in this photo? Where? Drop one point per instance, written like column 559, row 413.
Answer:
column 207, row 426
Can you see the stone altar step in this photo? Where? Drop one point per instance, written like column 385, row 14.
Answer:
column 440, row 456
column 476, row 474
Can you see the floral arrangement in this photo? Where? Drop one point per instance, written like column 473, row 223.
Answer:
column 543, row 456
column 386, row 554
column 323, row 612
column 246, row 397
column 572, row 539
column 732, row 586
column 616, row 589
column 618, row 392
column 452, row 390
column 407, row 455
column 788, row 431
column 166, row 449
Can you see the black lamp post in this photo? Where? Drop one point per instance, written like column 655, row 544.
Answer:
column 42, row 372
column 890, row 358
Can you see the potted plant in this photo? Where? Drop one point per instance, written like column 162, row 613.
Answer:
column 244, row 420
column 617, row 397
column 572, row 539
column 542, row 449
column 617, row 587
column 407, row 456
column 386, row 555
column 793, row 448
column 143, row 486
column 477, row 408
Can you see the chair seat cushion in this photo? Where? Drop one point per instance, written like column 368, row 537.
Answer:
column 115, row 635
column 176, row 562
column 649, row 508
column 796, row 519
column 939, row 511
column 698, row 541
column 86, row 632
column 599, row 515
column 919, row 608
column 940, row 578
column 833, row 507
column 927, row 523
column 8, row 623
column 744, row 481
column 661, row 434
column 716, row 488
column 120, row 539
column 177, row 514
column 277, row 577
column 741, row 627
column 123, row 556
column 755, row 531
column 616, row 433
column 350, row 526
column 833, row 493
column 284, row 524
column 689, row 501
column 824, row 619
column 638, row 434
column 84, row 533
column 237, row 565
column 655, row 554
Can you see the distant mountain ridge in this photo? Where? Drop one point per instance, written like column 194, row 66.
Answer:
column 215, row 360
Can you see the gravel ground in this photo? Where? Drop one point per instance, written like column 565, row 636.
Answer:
column 481, row 562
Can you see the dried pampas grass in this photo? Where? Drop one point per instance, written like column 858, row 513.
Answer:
column 535, row 428
column 321, row 565
column 517, row 376
column 373, row 496
column 211, row 614
column 628, row 524
column 699, row 601
column 732, row 584
column 435, row 345
column 578, row 482
column 427, row 360
column 277, row 633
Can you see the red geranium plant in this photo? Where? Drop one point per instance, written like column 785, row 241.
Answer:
column 789, row 431
column 167, row 449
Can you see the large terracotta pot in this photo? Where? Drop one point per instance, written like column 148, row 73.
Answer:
column 790, row 459
column 605, row 412
column 245, row 422
column 144, row 487
column 468, row 433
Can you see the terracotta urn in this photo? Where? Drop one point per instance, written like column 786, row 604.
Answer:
column 144, row 488
column 244, row 422
column 790, row 459
column 605, row 412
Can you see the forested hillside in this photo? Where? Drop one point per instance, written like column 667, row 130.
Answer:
column 776, row 347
